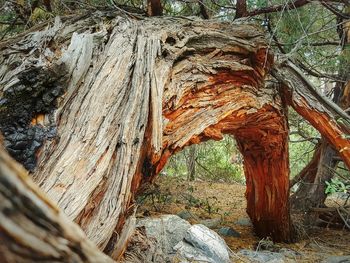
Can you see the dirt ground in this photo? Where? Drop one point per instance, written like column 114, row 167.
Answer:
column 225, row 201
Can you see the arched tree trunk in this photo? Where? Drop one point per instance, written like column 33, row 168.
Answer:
column 95, row 106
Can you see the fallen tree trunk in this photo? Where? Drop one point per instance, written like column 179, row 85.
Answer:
column 96, row 106
column 32, row 228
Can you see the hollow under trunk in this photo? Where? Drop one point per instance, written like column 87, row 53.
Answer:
column 95, row 107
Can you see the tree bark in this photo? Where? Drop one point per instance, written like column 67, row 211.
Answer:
column 96, row 105
column 154, row 8
column 124, row 111
column 264, row 146
column 32, row 228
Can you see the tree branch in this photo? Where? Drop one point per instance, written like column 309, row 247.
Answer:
column 276, row 8
column 296, row 4
column 328, row 103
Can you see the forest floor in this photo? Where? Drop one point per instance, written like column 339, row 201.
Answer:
column 225, row 203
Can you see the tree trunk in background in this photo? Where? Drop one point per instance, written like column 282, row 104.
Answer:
column 96, row 105
column 191, row 163
column 308, row 173
column 241, row 9
column 154, row 8
column 311, row 193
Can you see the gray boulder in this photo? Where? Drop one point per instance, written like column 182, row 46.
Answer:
column 168, row 230
column 188, row 253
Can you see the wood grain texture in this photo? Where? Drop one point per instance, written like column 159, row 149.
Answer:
column 32, row 228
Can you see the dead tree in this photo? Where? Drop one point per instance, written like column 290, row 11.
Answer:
column 94, row 106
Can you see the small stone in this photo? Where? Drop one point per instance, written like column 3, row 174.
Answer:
column 211, row 223
column 56, row 91
column 184, row 214
column 3, row 101
column 228, row 232
column 243, row 222
column 47, row 99
column 36, row 145
column 20, row 145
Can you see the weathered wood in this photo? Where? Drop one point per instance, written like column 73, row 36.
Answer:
column 132, row 92
column 264, row 145
column 32, row 228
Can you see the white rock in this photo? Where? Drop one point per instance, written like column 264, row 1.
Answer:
column 203, row 245
column 188, row 252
